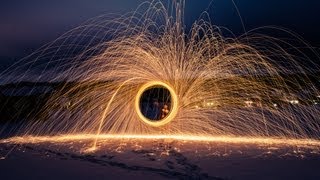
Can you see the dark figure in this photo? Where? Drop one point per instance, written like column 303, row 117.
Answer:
column 151, row 109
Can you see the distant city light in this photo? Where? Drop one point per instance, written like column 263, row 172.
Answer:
column 294, row 101
column 248, row 103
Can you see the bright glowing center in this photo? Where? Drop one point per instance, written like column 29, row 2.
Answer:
column 162, row 111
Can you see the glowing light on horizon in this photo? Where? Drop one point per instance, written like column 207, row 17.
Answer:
column 311, row 143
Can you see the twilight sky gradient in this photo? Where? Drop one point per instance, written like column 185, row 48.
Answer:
column 26, row 25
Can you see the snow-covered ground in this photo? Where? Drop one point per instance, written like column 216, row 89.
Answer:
column 157, row 159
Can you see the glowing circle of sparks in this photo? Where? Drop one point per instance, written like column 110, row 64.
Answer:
column 174, row 104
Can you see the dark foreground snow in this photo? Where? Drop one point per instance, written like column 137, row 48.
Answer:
column 159, row 159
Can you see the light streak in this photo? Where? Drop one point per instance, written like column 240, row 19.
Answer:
column 153, row 137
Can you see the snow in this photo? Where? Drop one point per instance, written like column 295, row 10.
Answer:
column 158, row 159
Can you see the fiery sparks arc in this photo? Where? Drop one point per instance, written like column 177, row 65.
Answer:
column 220, row 87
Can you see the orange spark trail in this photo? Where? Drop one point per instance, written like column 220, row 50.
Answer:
column 219, row 139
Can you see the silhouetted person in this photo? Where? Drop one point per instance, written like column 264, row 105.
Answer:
column 151, row 109
column 155, row 110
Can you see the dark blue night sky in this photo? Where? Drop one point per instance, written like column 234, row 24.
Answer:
column 26, row 25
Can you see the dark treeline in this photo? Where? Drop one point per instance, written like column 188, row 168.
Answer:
column 25, row 100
